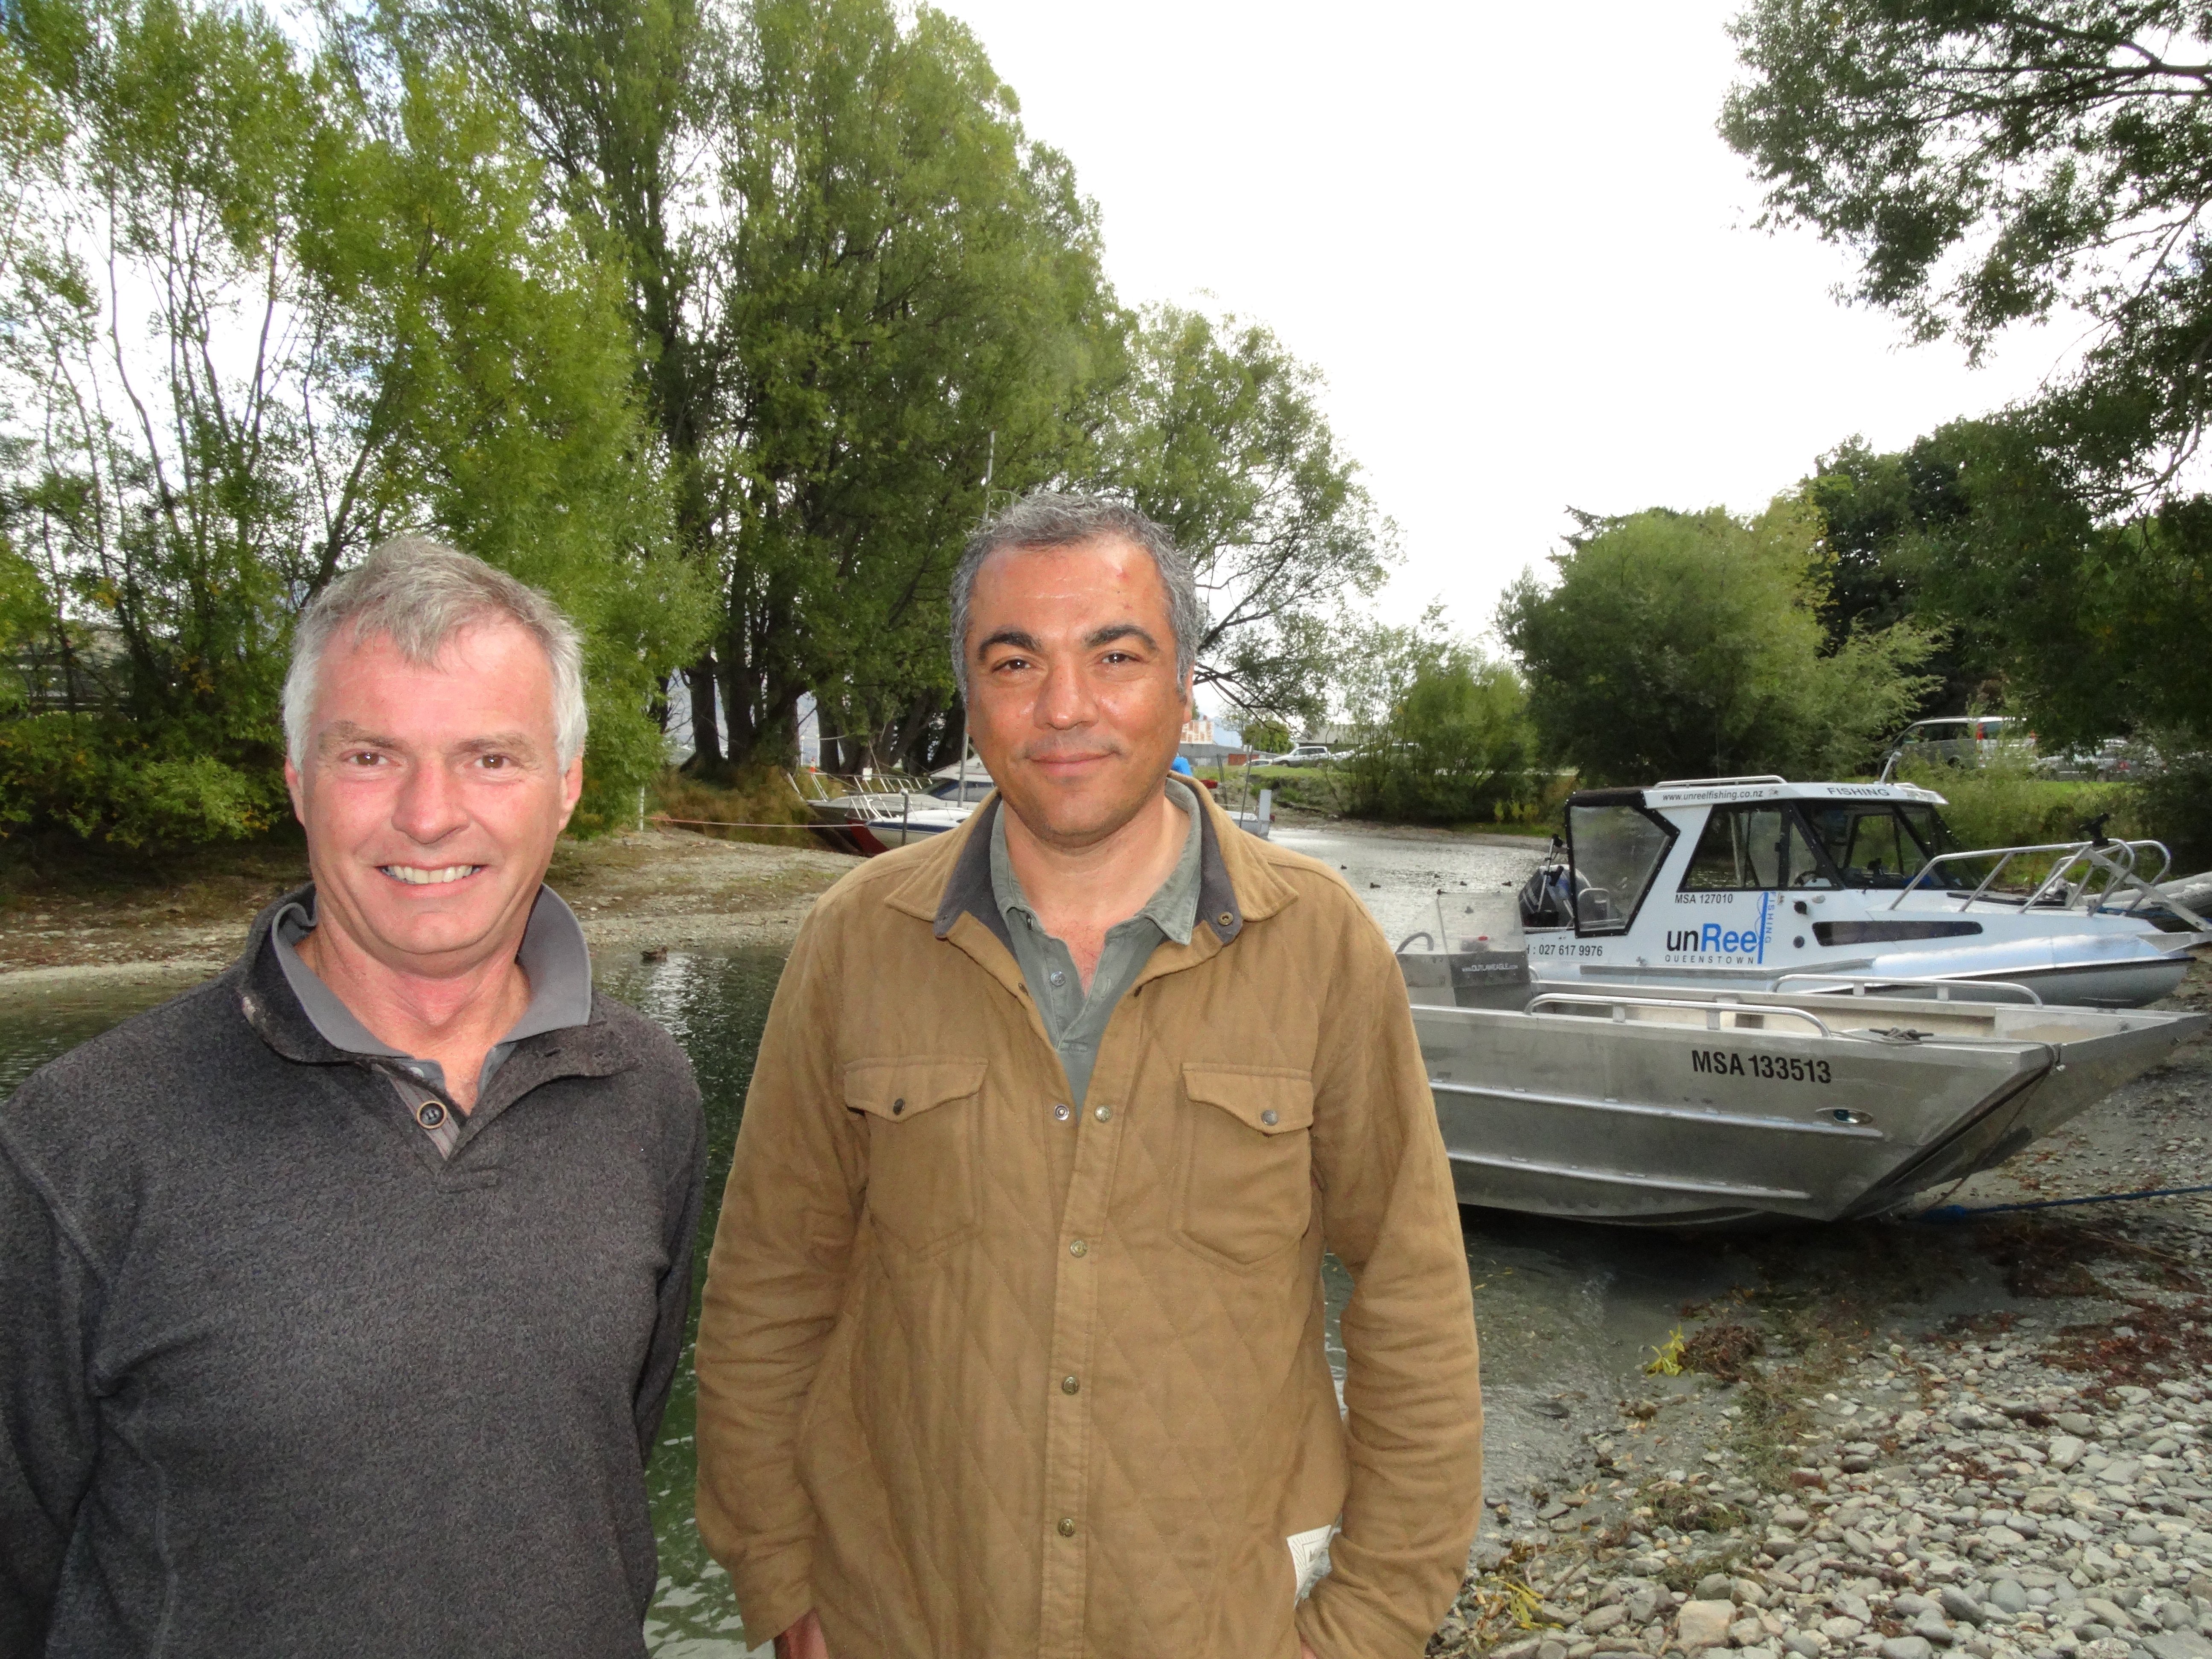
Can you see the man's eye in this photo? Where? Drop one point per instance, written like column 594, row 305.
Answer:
column 1006, row 663
column 364, row 758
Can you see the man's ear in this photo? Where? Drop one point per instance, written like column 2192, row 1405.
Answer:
column 296, row 786
column 572, row 788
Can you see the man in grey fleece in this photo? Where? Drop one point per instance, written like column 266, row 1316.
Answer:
column 339, row 1297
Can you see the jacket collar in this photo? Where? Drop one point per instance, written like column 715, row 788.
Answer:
column 271, row 1007
column 1235, row 884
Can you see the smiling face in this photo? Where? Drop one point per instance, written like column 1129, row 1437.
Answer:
column 1074, row 702
column 432, row 797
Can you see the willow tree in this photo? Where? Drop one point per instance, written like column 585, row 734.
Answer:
column 856, row 289
column 1216, row 431
column 2004, row 161
column 263, row 309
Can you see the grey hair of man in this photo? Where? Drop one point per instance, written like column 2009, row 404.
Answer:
column 1049, row 518
column 422, row 595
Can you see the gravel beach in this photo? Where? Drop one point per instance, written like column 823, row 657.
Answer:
column 1904, row 1439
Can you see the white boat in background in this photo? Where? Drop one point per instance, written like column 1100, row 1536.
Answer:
column 1758, row 884
column 875, row 811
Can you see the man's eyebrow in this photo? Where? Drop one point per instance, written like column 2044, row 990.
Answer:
column 1013, row 636
column 342, row 734
column 1121, row 630
column 500, row 743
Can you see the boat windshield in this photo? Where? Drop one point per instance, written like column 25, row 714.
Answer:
column 1749, row 848
column 1616, row 850
column 1877, row 843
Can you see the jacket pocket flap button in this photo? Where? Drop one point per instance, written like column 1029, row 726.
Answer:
column 1270, row 1117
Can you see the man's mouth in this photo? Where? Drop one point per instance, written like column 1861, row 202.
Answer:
column 414, row 875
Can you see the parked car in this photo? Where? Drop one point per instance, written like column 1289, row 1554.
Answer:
column 1309, row 754
column 1968, row 740
column 2116, row 760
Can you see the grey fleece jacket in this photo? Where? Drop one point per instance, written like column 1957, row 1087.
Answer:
column 276, row 1379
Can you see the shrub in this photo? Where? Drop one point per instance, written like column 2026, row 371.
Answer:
column 2005, row 804
column 93, row 778
column 1453, row 748
column 2175, row 805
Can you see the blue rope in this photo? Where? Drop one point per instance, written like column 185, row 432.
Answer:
column 1960, row 1212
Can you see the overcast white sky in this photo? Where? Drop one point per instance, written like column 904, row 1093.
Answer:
column 1510, row 238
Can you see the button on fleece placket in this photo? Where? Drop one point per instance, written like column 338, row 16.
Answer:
column 1087, row 1252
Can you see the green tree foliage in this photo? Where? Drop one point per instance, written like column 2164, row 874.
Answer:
column 1997, row 161
column 2096, row 624
column 2081, row 623
column 265, row 309
column 1683, row 645
column 869, row 291
column 1218, row 434
column 1444, row 733
column 1876, row 510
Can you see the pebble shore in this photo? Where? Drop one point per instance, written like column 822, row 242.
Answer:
column 2001, row 1494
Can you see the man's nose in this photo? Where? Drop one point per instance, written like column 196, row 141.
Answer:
column 428, row 807
column 1064, row 699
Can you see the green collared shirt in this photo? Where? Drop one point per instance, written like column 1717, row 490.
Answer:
column 1073, row 1020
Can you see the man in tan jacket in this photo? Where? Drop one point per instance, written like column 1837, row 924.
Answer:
column 1012, row 1341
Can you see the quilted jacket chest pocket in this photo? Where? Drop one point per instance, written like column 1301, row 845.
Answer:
column 1247, row 1162
column 922, row 1140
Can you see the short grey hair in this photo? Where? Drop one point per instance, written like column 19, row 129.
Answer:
column 1051, row 517
column 421, row 595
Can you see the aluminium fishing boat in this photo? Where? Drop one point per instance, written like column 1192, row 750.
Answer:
column 1757, row 883
column 1699, row 1106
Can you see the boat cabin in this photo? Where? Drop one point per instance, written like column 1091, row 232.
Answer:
column 1757, row 878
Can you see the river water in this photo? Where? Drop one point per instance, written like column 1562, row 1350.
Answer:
column 1565, row 1311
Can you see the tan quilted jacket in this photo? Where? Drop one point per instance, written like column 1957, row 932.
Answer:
column 982, row 1378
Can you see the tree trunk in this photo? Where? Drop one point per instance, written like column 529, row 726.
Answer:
column 906, row 741
column 944, row 747
column 844, row 752
column 706, row 729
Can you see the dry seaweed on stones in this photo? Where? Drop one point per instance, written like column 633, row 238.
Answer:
column 1723, row 1351
column 2149, row 1343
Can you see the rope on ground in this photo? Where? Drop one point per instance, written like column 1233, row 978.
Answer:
column 725, row 824
column 1961, row 1212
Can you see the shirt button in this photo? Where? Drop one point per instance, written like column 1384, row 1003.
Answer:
column 897, row 1106
column 1068, row 1526
column 1057, row 977
column 1059, row 1110
column 1270, row 1117
column 1226, row 918
column 1103, row 1114
column 429, row 1115
column 1069, row 1385
column 1078, row 1247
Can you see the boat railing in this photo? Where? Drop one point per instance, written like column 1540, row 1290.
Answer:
column 1851, row 985
column 868, row 796
column 2087, row 875
column 1618, row 1007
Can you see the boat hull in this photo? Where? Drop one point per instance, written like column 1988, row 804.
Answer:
column 1712, row 1112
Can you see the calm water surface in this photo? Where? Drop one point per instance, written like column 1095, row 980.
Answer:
column 1565, row 1310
